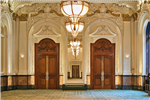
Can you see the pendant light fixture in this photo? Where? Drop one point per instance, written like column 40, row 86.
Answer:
column 74, row 9
column 75, row 46
column 74, row 28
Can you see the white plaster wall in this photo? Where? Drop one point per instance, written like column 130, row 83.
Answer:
column 127, row 48
column 23, row 49
column 16, row 46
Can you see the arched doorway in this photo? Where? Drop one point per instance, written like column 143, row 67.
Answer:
column 148, row 48
column 46, row 64
column 102, row 64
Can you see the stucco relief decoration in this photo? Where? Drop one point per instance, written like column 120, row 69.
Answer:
column 46, row 31
column 105, row 11
column 103, row 31
column 103, row 8
column 47, row 8
column 44, row 11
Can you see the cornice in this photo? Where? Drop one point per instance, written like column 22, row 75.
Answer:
column 126, row 17
column 82, row 0
column 23, row 17
column 42, row 11
column 16, row 4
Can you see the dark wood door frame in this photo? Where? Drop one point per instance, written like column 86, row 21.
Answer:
column 95, row 52
column 47, row 47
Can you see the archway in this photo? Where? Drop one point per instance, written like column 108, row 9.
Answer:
column 7, row 29
column 52, row 29
column 141, row 43
column 92, row 34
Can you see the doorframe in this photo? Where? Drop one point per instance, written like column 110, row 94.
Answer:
column 91, row 63
column 35, row 79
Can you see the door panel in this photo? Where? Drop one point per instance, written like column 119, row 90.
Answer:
column 52, row 72
column 41, row 72
column 97, row 72
column 77, row 71
column 73, row 71
column 107, row 72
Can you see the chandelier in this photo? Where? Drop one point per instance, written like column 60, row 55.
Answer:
column 74, row 28
column 74, row 9
column 75, row 46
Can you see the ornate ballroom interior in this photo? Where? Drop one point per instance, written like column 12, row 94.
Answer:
column 110, row 52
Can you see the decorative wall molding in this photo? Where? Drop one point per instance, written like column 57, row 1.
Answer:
column 46, row 31
column 103, row 31
column 103, row 17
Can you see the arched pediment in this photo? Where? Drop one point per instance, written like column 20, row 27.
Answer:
column 102, row 31
column 46, row 31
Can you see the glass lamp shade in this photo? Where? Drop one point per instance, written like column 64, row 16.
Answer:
column 74, row 9
column 74, row 28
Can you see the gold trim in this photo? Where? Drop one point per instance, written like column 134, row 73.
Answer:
column 22, row 17
column 135, row 15
column 89, row 15
column 111, row 12
column 14, row 16
column 42, row 11
column 126, row 17
column 9, row 8
column 53, row 11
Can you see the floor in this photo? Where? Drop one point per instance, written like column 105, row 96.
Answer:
column 74, row 95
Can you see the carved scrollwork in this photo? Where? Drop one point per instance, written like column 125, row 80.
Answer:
column 52, row 76
column 103, row 47
column 98, row 76
column 42, row 76
column 107, row 76
column 46, row 46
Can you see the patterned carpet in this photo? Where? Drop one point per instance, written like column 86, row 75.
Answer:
column 74, row 95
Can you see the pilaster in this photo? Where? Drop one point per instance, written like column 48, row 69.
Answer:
column 22, row 49
column 127, row 48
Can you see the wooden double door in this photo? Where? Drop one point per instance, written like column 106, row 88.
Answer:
column 102, row 65
column 75, row 71
column 46, row 64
